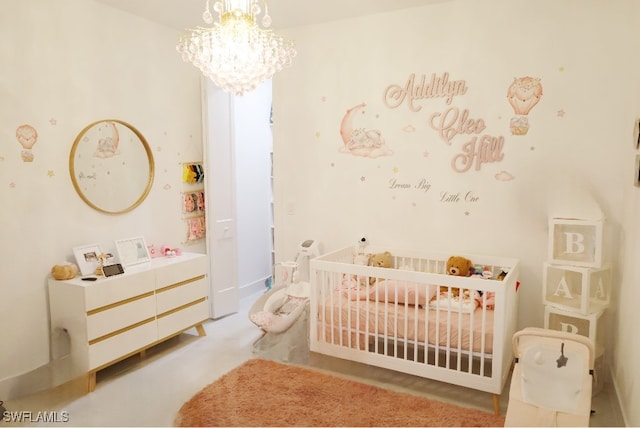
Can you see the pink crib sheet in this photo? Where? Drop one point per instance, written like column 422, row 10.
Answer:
column 341, row 317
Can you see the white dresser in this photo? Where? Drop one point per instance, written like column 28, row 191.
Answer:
column 113, row 318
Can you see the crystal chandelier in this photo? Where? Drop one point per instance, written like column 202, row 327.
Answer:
column 236, row 53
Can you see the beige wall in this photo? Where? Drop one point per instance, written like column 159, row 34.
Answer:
column 576, row 159
column 66, row 64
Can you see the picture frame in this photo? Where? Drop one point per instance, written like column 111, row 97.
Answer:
column 132, row 251
column 87, row 258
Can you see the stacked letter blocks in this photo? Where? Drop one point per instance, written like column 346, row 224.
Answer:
column 576, row 282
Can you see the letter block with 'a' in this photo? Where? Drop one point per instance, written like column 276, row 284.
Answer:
column 575, row 242
column 577, row 289
column 570, row 322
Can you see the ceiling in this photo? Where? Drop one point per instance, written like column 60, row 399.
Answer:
column 181, row 14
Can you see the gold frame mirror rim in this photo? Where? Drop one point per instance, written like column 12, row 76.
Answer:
column 147, row 150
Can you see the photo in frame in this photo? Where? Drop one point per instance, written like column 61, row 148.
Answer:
column 87, row 258
column 132, row 251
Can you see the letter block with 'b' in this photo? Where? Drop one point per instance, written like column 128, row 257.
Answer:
column 575, row 242
column 576, row 289
column 569, row 322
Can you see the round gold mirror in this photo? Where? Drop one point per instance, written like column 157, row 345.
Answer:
column 111, row 166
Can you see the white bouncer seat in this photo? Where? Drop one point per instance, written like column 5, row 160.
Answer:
column 552, row 379
column 278, row 309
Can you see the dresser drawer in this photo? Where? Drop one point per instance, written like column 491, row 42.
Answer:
column 179, row 294
column 180, row 269
column 117, row 288
column 108, row 319
column 174, row 322
column 122, row 344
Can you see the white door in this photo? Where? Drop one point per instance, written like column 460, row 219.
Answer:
column 220, row 199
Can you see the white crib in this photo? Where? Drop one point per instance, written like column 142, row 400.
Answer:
column 403, row 321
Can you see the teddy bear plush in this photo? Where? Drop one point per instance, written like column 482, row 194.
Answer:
column 457, row 266
column 379, row 260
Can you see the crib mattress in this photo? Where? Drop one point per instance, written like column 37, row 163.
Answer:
column 354, row 322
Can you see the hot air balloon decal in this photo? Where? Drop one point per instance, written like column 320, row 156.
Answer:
column 523, row 94
column 27, row 136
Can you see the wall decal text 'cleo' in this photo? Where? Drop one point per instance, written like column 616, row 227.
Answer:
column 479, row 149
column 450, row 123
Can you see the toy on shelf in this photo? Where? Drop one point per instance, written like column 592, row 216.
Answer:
column 170, row 252
column 196, row 228
column 102, row 260
column 192, row 173
column 163, row 251
column 152, row 251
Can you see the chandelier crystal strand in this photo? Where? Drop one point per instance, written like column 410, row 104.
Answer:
column 236, row 53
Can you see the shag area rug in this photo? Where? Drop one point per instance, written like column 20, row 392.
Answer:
column 266, row 393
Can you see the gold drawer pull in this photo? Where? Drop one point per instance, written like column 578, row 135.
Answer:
column 181, row 283
column 122, row 330
column 179, row 308
column 120, row 303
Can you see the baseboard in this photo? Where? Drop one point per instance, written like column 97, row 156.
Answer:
column 617, row 397
column 50, row 375
column 253, row 288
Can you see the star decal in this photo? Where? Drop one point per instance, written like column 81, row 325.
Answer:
column 53, row 122
column 395, row 169
column 50, row 173
column 560, row 113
